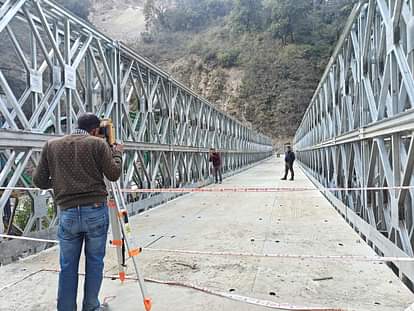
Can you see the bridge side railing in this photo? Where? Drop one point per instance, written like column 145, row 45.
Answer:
column 358, row 129
column 55, row 66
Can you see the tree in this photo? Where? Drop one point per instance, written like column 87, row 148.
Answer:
column 183, row 15
column 155, row 12
column 247, row 15
column 289, row 19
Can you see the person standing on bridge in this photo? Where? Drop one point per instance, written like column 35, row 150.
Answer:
column 215, row 158
column 289, row 159
column 74, row 166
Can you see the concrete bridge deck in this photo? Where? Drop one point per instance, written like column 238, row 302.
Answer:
column 277, row 223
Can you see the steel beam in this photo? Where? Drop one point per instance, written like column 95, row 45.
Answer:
column 167, row 128
column 374, row 127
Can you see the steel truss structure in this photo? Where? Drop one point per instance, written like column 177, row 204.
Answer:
column 55, row 66
column 358, row 129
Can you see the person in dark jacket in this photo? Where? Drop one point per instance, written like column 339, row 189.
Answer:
column 289, row 159
column 74, row 166
column 216, row 159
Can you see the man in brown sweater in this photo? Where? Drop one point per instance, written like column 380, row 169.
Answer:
column 74, row 166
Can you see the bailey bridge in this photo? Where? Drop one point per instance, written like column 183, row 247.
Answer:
column 339, row 237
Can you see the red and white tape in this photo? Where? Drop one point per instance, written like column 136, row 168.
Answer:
column 244, row 299
column 239, row 298
column 286, row 256
column 240, row 254
column 259, row 189
column 233, row 189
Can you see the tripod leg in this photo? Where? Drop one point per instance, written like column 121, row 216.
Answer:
column 131, row 245
column 117, row 239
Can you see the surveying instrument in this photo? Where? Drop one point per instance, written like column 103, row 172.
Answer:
column 122, row 237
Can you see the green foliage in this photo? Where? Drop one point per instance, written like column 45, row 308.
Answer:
column 247, row 15
column 300, row 21
column 286, row 18
column 23, row 212
column 210, row 56
column 155, row 13
column 228, row 58
column 183, row 15
column 276, row 50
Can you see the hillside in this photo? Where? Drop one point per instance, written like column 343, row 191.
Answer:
column 121, row 19
column 259, row 60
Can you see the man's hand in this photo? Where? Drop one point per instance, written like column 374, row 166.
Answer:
column 118, row 148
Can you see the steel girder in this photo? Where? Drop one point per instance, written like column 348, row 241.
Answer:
column 358, row 129
column 56, row 66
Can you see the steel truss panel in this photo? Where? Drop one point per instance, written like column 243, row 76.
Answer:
column 59, row 66
column 358, row 129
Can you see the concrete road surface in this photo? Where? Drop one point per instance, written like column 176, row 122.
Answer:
column 267, row 223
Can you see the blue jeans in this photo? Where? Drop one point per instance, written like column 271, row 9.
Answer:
column 87, row 224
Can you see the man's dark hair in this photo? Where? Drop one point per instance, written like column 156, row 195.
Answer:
column 88, row 122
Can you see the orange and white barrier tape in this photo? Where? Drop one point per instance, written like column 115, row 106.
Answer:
column 234, row 189
column 239, row 298
column 286, row 256
column 239, row 254
column 244, row 299
column 258, row 189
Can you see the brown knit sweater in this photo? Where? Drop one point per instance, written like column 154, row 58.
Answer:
column 74, row 166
